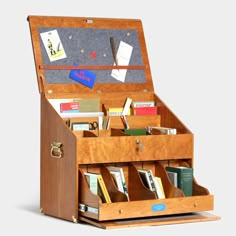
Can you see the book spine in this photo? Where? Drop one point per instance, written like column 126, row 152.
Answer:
column 159, row 188
column 118, row 181
column 104, row 189
column 186, row 181
column 184, row 178
column 124, row 183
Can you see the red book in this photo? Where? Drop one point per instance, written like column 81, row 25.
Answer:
column 145, row 110
column 69, row 107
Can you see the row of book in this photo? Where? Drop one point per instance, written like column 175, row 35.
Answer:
column 181, row 177
column 134, row 108
column 81, row 105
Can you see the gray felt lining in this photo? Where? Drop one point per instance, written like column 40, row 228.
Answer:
column 79, row 43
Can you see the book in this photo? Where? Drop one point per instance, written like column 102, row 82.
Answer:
column 92, row 179
column 121, row 173
column 126, row 107
column 117, row 111
column 143, row 103
column 97, row 186
column 148, row 180
column 69, row 107
column 88, row 104
column 145, row 111
column 162, row 130
column 81, row 105
column 135, row 132
column 159, row 187
column 85, row 77
column 118, row 181
column 184, row 178
column 103, row 190
column 173, row 178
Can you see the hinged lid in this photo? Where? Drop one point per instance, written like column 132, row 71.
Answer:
column 88, row 55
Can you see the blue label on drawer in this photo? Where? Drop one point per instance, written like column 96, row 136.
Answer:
column 158, row 207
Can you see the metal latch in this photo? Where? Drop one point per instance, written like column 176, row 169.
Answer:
column 85, row 208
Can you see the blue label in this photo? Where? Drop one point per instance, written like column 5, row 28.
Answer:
column 84, row 77
column 158, row 207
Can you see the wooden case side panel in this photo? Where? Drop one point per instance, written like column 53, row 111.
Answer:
column 58, row 176
column 169, row 119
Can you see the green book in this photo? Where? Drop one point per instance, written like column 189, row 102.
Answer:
column 135, row 132
column 184, row 178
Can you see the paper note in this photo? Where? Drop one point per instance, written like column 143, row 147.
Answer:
column 123, row 57
column 53, row 45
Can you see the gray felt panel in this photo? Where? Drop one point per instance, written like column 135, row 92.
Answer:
column 79, row 43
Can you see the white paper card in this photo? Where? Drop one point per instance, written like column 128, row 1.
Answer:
column 53, row 45
column 123, row 57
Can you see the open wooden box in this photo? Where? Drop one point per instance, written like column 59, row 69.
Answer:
column 67, row 154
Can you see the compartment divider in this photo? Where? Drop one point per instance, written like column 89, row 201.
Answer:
column 198, row 190
column 170, row 190
column 85, row 194
column 115, row 194
column 136, row 188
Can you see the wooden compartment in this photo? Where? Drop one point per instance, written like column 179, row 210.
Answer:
column 66, row 154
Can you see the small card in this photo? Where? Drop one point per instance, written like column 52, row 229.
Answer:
column 123, row 57
column 53, row 45
column 85, row 77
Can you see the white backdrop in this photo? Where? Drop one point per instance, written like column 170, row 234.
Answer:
column 192, row 53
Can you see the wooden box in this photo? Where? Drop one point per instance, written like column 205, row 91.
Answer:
column 90, row 45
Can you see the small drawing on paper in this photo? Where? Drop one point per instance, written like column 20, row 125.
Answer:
column 53, row 45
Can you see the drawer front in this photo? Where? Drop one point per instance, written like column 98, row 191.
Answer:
column 147, row 208
column 134, row 148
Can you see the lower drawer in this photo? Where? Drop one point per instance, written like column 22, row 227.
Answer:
column 147, row 208
column 141, row 202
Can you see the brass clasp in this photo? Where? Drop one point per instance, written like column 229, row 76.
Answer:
column 56, row 150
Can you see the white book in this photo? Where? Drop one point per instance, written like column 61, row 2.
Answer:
column 120, row 170
column 117, row 178
column 173, row 176
column 159, row 187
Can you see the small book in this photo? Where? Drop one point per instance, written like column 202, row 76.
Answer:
column 159, row 187
column 173, row 178
column 148, row 180
column 97, row 186
column 143, row 103
column 88, row 104
column 92, row 179
column 138, row 111
column 184, row 178
column 69, row 107
column 117, row 111
column 85, row 77
column 121, row 173
column 103, row 190
column 126, row 107
column 118, row 181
